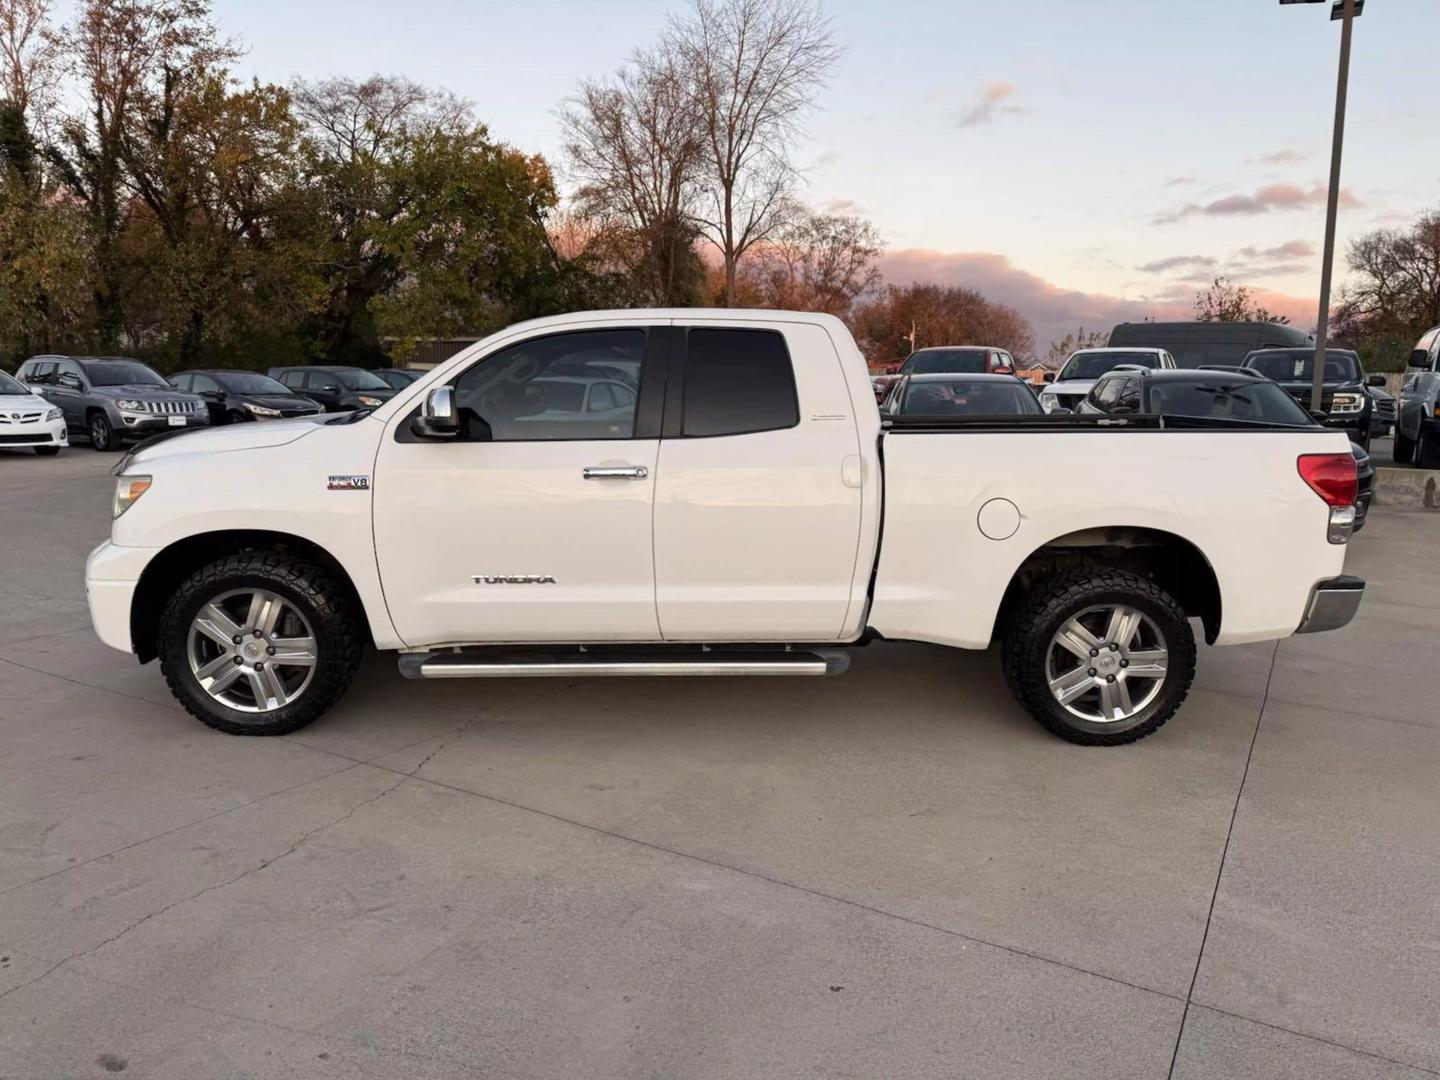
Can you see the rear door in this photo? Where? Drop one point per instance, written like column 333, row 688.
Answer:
column 758, row 489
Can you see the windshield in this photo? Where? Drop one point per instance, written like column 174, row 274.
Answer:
column 1246, row 399
column 10, row 386
column 967, row 397
column 361, row 380
column 1092, row 365
column 249, row 382
column 1298, row 365
column 945, row 362
column 122, row 373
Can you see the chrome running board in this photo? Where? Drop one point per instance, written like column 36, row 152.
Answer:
column 487, row 664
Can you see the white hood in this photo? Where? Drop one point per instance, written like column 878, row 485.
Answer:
column 1078, row 387
column 219, row 440
column 23, row 402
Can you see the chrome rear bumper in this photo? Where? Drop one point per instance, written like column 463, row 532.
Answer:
column 1333, row 603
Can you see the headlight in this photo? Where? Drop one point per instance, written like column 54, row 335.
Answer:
column 54, row 414
column 128, row 490
column 1347, row 403
column 261, row 410
column 1048, row 401
column 371, row 402
column 130, row 406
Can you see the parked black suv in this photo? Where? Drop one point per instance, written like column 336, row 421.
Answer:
column 1235, row 395
column 1346, row 403
column 399, row 378
column 337, row 389
column 236, row 396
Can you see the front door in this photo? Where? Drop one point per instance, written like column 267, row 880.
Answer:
column 534, row 523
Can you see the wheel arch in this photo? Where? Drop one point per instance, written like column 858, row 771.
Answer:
column 173, row 564
column 1173, row 561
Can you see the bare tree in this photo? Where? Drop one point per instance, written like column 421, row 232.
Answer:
column 31, row 56
column 815, row 262
column 1224, row 301
column 1393, row 295
column 350, row 118
column 634, row 146
column 753, row 67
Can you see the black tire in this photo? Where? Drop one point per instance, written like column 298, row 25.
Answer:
column 102, row 435
column 47, row 451
column 1026, row 645
column 1404, row 450
column 337, row 625
column 1427, row 450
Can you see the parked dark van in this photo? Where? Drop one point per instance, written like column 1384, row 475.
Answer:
column 1196, row 344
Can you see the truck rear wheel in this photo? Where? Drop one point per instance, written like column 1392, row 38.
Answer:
column 1099, row 656
column 259, row 643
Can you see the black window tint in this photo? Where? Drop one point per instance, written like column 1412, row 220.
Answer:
column 1105, row 393
column 1129, row 395
column 737, row 381
column 537, row 389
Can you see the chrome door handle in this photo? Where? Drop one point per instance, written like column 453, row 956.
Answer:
column 615, row 472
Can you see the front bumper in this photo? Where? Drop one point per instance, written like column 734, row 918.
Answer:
column 112, row 574
column 1332, row 604
column 36, row 433
column 143, row 425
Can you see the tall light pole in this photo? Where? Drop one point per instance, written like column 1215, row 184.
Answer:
column 1345, row 10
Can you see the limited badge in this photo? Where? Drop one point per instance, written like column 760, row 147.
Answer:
column 349, row 483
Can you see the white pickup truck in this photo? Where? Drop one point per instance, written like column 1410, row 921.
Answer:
column 687, row 492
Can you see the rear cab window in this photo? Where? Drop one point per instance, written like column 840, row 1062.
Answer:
column 736, row 382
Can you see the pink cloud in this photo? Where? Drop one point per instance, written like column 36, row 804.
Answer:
column 1270, row 197
column 1054, row 311
column 994, row 101
column 1283, row 157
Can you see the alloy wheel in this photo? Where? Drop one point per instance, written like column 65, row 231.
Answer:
column 1107, row 663
column 251, row 650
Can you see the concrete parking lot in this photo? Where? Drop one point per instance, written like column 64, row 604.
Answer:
column 894, row 874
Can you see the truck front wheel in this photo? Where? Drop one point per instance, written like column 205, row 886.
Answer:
column 259, row 643
column 1099, row 656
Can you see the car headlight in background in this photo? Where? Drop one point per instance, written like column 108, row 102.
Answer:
column 1343, row 404
column 128, row 490
column 261, row 410
column 54, row 414
column 371, row 402
column 1048, row 401
column 130, row 406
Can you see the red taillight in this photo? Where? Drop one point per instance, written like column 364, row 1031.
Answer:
column 1331, row 476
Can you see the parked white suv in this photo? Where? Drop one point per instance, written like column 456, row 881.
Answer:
column 725, row 520
column 27, row 419
column 1081, row 368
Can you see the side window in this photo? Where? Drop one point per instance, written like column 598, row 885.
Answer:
column 737, row 382
column 318, row 380
column 539, row 389
column 1104, row 393
column 182, row 382
column 40, row 374
column 1128, row 395
column 67, row 374
column 293, row 379
column 203, row 383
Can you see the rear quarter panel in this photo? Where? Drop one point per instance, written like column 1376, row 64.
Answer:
column 1236, row 496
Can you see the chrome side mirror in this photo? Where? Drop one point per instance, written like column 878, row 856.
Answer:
column 438, row 417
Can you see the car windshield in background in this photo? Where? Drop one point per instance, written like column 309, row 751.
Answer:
column 1093, row 365
column 967, row 397
column 1298, row 365
column 945, row 362
column 10, row 386
column 1250, row 399
column 247, row 382
column 122, row 373
column 361, row 380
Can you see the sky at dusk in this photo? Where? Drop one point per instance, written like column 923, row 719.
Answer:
column 1083, row 161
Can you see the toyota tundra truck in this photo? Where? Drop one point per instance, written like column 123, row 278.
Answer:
column 688, row 492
